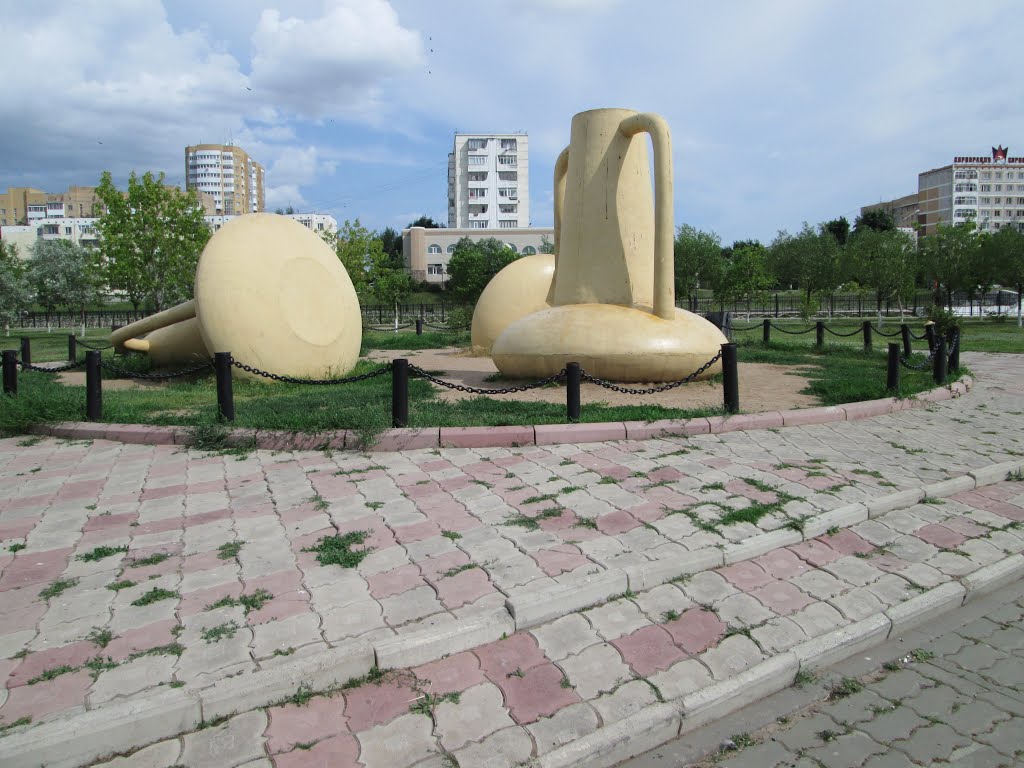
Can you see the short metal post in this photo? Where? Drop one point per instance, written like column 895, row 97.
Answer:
column 776, row 305
column 400, row 392
column 819, row 334
column 730, row 379
column 419, row 324
column 93, row 386
column 573, row 375
column 26, row 350
column 766, row 331
column 908, row 348
column 939, row 361
column 954, row 354
column 10, row 358
column 867, row 335
column 225, row 394
column 929, row 335
column 892, row 374
column 72, row 348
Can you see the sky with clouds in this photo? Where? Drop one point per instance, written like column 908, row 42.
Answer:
column 781, row 110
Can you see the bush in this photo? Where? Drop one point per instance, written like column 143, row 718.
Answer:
column 945, row 320
column 459, row 318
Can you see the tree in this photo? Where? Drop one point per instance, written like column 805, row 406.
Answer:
column 357, row 249
column 727, row 252
column 809, row 260
column 61, row 273
column 391, row 242
column 14, row 293
column 151, row 239
column 698, row 258
column 387, row 283
column 472, row 266
column 1005, row 251
column 743, row 277
column 425, row 221
column 877, row 219
column 546, row 246
column 886, row 261
column 839, row 229
column 950, row 256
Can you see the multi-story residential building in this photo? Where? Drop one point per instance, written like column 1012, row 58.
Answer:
column 986, row 190
column 227, row 173
column 427, row 251
column 904, row 210
column 489, row 181
column 25, row 205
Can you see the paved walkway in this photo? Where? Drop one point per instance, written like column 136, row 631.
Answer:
column 147, row 569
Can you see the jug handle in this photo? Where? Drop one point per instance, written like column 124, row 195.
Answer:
column 664, row 265
column 561, row 171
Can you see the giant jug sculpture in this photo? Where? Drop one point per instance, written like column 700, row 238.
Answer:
column 610, row 304
column 268, row 290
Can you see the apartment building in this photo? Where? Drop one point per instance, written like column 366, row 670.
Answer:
column 985, row 189
column 24, row 206
column 489, row 181
column 229, row 175
column 428, row 251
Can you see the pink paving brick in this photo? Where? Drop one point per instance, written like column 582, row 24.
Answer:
column 407, row 534
column 500, row 659
column 847, row 542
column 177, row 489
column 463, row 588
column 277, row 609
column 33, row 665
column 560, row 522
column 815, row 552
column 35, row 568
column 42, row 699
column 648, row 650
column 1002, row 508
column 195, row 602
column 965, row 526
column 371, row 704
column 782, row 564
column 17, row 529
column 940, row 536
column 559, row 559
column 143, row 638
column 293, row 724
column 616, row 522
column 380, row 535
column 395, row 581
column 107, row 522
column 999, row 491
column 433, row 568
column 650, row 511
column 696, row 630
column 781, row 597
column 538, row 693
column 741, row 488
column 889, row 563
column 455, row 673
column 340, row 751
column 745, row 575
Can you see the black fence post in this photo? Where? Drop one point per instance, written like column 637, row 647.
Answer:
column 93, row 386
column 929, row 335
column 908, row 348
column 573, row 375
column 954, row 352
column 730, row 379
column 399, row 392
column 939, row 361
column 26, row 350
column 419, row 324
column 867, row 335
column 72, row 348
column 819, row 334
column 225, row 394
column 892, row 373
column 10, row 358
column 776, row 305
column 766, row 331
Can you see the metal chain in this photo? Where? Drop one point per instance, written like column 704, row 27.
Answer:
column 792, row 333
column 953, row 346
column 205, row 366
column 836, row 333
column 447, row 327
column 742, row 328
column 415, row 370
column 918, row 338
column 653, row 390
column 888, row 335
column 926, row 364
column 389, row 327
column 81, row 343
column 323, row 382
column 44, row 369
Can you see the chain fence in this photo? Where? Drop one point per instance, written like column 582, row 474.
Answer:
column 49, row 369
column 317, row 382
column 651, row 390
column 206, row 365
column 854, row 332
column 793, row 333
column 415, row 370
column 94, row 347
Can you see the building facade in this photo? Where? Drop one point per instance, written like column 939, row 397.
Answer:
column 227, row 173
column 904, row 210
column 23, row 206
column 428, row 251
column 988, row 190
column 489, row 181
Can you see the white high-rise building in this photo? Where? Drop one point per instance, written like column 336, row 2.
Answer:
column 489, row 181
column 988, row 190
column 227, row 173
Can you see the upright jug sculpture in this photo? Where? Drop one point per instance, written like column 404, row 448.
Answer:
column 610, row 305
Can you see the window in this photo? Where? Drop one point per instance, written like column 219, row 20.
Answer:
column 986, row 201
column 451, row 248
column 476, row 193
column 509, row 160
column 435, row 269
column 999, row 174
column 508, row 175
column 999, row 188
column 510, row 208
column 510, row 192
column 477, row 143
column 529, row 250
column 477, row 159
column 478, row 176
column 507, row 223
column 986, row 175
column 67, row 230
column 986, row 187
column 508, row 144
column 435, row 248
column 997, row 214
column 478, row 224
column 514, row 249
column 997, row 200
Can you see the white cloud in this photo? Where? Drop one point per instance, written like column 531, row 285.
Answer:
column 284, row 195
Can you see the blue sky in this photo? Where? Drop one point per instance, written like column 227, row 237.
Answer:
column 781, row 110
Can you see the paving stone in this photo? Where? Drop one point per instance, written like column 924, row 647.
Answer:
column 403, row 742
column 505, row 749
column 681, row 679
column 293, row 724
column 732, row 656
column 848, row 749
column 332, row 752
column 236, row 742
column 595, row 670
column 565, row 636
column 616, row 618
column 743, row 611
column 159, row 755
column 626, row 700
column 770, row 754
column 566, row 725
column 931, row 743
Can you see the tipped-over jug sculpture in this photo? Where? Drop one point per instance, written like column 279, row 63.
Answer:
column 610, row 301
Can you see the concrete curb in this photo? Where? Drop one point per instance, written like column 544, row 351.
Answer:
column 647, row 729
column 510, row 436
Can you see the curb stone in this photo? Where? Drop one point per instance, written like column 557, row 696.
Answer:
column 992, row 577
column 647, row 729
column 841, row 643
column 917, row 610
column 432, row 644
column 755, row 683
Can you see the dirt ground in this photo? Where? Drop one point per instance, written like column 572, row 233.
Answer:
column 763, row 387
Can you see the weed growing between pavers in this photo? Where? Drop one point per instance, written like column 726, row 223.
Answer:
column 214, row 437
column 171, row 649
column 155, row 559
column 98, row 664
column 100, row 637
column 426, row 702
column 251, row 602
column 218, row 633
column 319, row 503
column 532, row 523
column 57, row 588
column 4, row 727
column 804, row 677
column 284, row 651
column 845, row 687
column 451, row 535
column 155, row 595
column 586, row 522
column 337, row 549
column 52, row 673
column 99, row 553
column 458, row 569
column 230, row 550
column 117, row 586
column 16, row 547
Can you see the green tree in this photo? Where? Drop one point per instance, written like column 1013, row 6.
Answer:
column 61, row 273
column 839, row 229
column 387, row 283
column 809, row 260
column 744, row 277
column 950, row 256
column 391, row 241
column 472, row 266
column 877, row 219
column 886, row 262
column 14, row 293
column 1005, row 252
column 426, row 222
column 698, row 259
column 546, row 246
column 151, row 239
column 357, row 249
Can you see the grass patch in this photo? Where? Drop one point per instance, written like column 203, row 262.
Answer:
column 218, row 633
column 804, row 677
column 532, row 523
column 171, row 649
column 99, row 553
column 16, row 724
column 230, row 550
column 15, row 547
column 670, row 615
column 100, row 637
column 155, row 559
column 337, row 550
column 117, row 586
column 586, row 522
column 57, row 588
column 426, row 703
column 155, row 595
column 451, row 535
column 52, row 673
column 458, row 569
column 845, row 687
